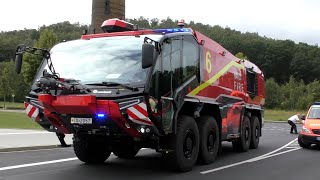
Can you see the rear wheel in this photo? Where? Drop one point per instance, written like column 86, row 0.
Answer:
column 243, row 143
column 255, row 132
column 209, row 139
column 302, row 144
column 91, row 149
column 186, row 144
column 125, row 151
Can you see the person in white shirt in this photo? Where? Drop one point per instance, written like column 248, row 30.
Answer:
column 293, row 120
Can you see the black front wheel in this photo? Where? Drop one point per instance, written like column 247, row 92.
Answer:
column 303, row 144
column 185, row 144
column 125, row 151
column 91, row 149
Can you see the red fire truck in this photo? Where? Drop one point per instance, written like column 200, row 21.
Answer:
column 172, row 90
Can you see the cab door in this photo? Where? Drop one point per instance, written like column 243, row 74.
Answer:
column 176, row 65
column 165, row 78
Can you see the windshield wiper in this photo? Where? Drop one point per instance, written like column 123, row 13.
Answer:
column 110, row 84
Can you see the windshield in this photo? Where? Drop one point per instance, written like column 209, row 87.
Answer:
column 108, row 59
column 314, row 113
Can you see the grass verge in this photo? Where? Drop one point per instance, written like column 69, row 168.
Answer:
column 11, row 105
column 13, row 120
column 21, row 121
column 280, row 115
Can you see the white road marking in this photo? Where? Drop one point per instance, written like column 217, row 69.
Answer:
column 264, row 156
column 37, row 164
column 42, row 163
column 279, row 148
column 24, row 133
column 34, row 150
column 279, row 153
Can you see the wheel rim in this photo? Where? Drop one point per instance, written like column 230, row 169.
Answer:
column 188, row 144
column 257, row 132
column 246, row 133
column 211, row 141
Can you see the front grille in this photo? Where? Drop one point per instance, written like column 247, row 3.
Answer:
column 316, row 131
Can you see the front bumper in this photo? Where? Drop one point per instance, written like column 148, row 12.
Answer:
column 310, row 139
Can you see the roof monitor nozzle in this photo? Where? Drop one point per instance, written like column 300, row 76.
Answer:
column 116, row 25
column 181, row 23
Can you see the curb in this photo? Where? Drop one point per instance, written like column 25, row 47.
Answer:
column 268, row 121
column 13, row 110
column 30, row 148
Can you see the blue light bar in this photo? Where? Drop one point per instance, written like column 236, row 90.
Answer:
column 174, row 30
column 101, row 115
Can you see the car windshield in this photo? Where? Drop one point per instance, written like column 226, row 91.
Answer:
column 108, row 59
column 314, row 113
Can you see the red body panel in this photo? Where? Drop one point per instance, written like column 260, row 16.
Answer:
column 222, row 73
column 68, row 104
column 82, row 105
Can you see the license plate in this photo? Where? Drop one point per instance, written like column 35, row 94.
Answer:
column 81, row 120
column 318, row 138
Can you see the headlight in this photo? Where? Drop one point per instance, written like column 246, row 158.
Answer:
column 305, row 130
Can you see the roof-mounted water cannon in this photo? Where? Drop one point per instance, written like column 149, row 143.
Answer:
column 181, row 23
column 117, row 25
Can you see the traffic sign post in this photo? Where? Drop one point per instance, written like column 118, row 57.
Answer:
column 13, row 95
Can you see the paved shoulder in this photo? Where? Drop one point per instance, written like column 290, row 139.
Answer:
column 17, row 138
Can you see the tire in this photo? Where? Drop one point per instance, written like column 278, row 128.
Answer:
column 91, row 149
column 255, row 132
column 125, row 151
column 302, row 144
column 243, row 143
column 209, row 139
column 185, row 145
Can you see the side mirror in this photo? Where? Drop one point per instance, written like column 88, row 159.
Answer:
column 18, row 62
column 147, row 55
column 18, row 59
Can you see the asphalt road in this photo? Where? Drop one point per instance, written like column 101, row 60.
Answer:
column 278, row 157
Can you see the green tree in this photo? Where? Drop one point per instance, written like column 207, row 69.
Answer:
column 240, row 55
column 274, row 95
column 5, row 88
column 11, row 83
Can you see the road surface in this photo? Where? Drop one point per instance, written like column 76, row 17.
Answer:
column 278, row 157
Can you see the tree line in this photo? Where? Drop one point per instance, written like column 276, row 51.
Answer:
column 292, row 95
column 283, row 61
column 15, row 86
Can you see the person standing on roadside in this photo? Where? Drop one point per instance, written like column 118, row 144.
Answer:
column 293, row 120
column 61, row 139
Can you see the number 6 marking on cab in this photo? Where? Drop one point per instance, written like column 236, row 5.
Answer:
column 208, row 62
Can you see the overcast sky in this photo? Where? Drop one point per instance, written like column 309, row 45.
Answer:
column 280, row 19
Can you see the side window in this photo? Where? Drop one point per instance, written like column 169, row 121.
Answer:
column 176, row 61
column 154, row 86
column 251, row 82
column 166, row 73
column 190, row 51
